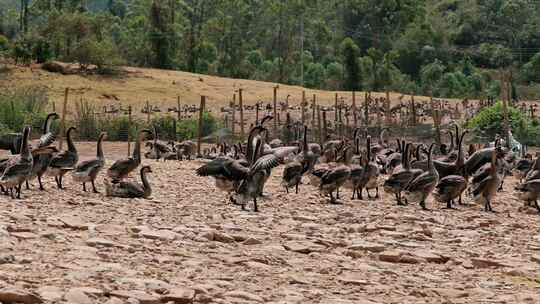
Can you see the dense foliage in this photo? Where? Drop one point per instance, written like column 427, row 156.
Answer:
column 331, row 44
column 489, row 122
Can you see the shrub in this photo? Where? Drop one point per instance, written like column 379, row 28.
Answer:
column 22, row 106
column 4, row 43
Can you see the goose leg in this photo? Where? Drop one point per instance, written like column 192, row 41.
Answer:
column 57, row 183
column 60, row 178
column 11, row 193
column 337, row 193
column 359, row 193
column 94, row 187
column 84, row 187
column 255, row 208
column 27, row 185
column 368, row 195
column 353, row 193
column 460, row 200
column 449, row 205
column 40, row 184
column 377, row 192
column 19, row 190
column 423, row 205
column 332, row 200
column 297, row 187
column 287, row 189
column 537, row 207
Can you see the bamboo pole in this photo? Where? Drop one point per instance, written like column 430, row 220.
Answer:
column 199, row 135
column 178, row 108
column 325, row 126
column 63, row 120
column 366, row 109
column 319, row 127
column 257, row 113
column 241, row 104
column 336, row 107
column 129, row 131
column 355, row 118
column 313, row 111
column 233, row 118
column 275, row 110
column 303, row 107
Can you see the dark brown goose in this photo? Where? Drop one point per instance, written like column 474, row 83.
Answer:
column 293, row 171
column 332, row 179
column 64, row 161
column 421, row 187
column 370, row 176
column 398, row 181
column 357, row 173
column 87, row 171
column 121, row 168
column 529, row 192
column 449, row 188
column 18, row 168
column 125, row 189
column 251, row 186
column 42, row 161
column 484, row 189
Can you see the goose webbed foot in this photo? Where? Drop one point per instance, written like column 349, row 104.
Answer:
column 449, row 205
column 19, row 190
column 287, row 189
column 353, row 193
column 359, row 193
column 460, row 202
column 94, row 187
column 337, row 193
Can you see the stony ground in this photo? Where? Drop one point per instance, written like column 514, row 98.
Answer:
column 187, row 244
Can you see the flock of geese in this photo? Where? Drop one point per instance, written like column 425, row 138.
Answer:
column 45, row 160
column 411, row 172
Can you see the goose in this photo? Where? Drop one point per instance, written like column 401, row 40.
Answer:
column 522, row 167
column 127, row 189
column 529, row 191
column 422, row 186
column 187, row 149
column 121, row 168
column 293, row 171
column 88, row 170
column 64, row 161
column 357, row 172
column 42, row 161
column 398, row 181
column 251, row 186
column 18, row 168
column 482, row 157
column 449, row 188
column 228, row 172
column 534, row 171
column 394, row 160
column 333, row 178
column 370, row 176
column 484, row 189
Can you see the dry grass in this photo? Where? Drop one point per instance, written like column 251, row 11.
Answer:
column 161, row 88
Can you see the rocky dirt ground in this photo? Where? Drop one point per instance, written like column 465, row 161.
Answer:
column 187, row 244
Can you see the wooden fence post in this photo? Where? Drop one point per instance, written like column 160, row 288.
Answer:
column 387, row 108
column 148, row 112
column 129, row 131
column 303, row 106
column 63, row 120
column 366, row 108
column 199, row 136
column 336, row 108
column 275, row 111
column 313, row 111
column 355, row 118
column 325, row 126
column 257, row 113
column 319, row 126
column 241, row 104
column 233, row 122
column 178, row 108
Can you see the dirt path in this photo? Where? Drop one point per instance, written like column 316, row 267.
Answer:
column 75, row 247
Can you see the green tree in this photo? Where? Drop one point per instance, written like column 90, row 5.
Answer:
column 350, row 53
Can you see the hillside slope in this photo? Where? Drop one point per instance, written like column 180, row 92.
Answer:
column 162, row 87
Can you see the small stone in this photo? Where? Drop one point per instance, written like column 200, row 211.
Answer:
column 251, row 241
column 76, row 296
column 24, row 235
column 141, row 296
column 7, row 259
column 535, row 258
column 430, row 256
column 164, row 235
column 13, row 295
column 50, row 293
column 486, row 262
column 301, row 247
column 354, row 278
column 179, row 296
column 367, row 246
column 243, row 296
column 73, row 223
column 223, row 237
column 394, row 256
column 99, row 242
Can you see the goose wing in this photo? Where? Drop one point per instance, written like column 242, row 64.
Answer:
column 88, row 165
column 292, row 170
column 130, row 189
column 46, row 140
column 335, row 174
column 283, row 152
column 122, row 164
column 64, row 159
column 223, row 167
column 523, row 165
column 423, row 181
column 265, row 162
column 19, row 168
column 479, row 187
